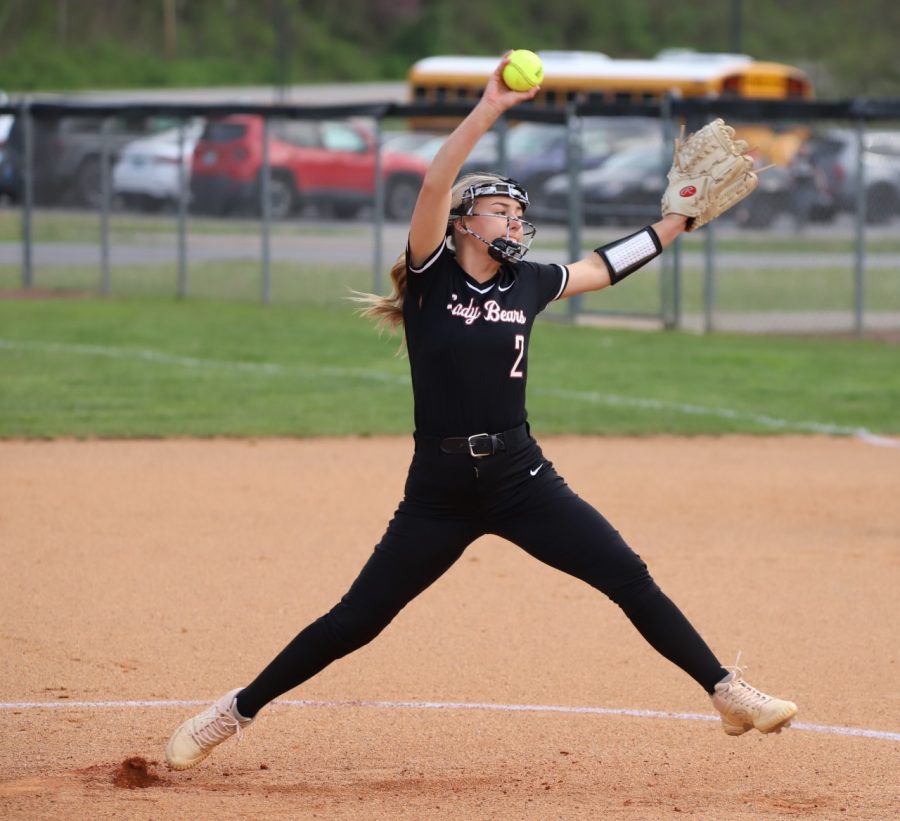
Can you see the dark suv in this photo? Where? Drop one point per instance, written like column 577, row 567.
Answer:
column 627, row 188
column 68, row 153
column 329, row 164
column 536, row 152
column 834, row 155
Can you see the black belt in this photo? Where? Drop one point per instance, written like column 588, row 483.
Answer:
column 479, row 444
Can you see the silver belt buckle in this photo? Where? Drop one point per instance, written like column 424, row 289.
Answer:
column 472, row 447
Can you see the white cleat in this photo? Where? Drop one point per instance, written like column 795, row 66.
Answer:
column 745, row 708
column 197, row 737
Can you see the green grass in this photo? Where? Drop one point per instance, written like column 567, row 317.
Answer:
column 52, row 225
column 223, row 280
column 49, row 225
column 749, row 290
column 149, row 367
column 743, row 291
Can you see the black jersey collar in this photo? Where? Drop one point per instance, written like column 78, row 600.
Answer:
column 503, row 280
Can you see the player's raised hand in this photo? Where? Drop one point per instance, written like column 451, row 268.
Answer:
column 498, row 93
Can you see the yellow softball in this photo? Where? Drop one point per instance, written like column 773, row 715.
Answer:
column 523, row 71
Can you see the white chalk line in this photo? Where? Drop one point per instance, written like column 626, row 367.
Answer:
column 160, row 357
column 15, row 706
column 314, row 372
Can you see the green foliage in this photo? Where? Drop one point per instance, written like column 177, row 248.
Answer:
column 71, row 44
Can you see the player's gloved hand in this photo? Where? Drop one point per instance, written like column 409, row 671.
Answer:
column 710, row 173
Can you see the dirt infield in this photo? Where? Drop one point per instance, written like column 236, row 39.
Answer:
column 171, row 571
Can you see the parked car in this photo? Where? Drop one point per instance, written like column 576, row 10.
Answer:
column 405, row 142
column 67, row 153
column 482, row 157
column 330, row 164
column 146, row 175
column 834, row 155
column 535, row 152
column 820, row 181
column 10, row 178
column 798, row 190
column 627, row 188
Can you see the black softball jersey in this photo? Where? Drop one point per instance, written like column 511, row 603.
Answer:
column 468, row 341
column 468, row 350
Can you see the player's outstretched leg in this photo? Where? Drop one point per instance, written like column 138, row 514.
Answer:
column 198, row 736
column 745, row 708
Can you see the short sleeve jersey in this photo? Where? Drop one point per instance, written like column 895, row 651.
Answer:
column 468, row 341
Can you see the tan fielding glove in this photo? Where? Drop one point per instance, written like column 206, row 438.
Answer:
column 711, row 172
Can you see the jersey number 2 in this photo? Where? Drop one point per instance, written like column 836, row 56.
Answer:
column 515, row 373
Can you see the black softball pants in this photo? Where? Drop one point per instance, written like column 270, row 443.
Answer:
column 451, row 500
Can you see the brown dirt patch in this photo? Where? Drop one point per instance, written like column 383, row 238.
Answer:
column 171, row 571
column 133, row 773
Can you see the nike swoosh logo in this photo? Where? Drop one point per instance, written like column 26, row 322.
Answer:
column 501, row 288
column 537, row 469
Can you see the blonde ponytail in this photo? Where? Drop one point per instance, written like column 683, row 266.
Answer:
column 386, row 311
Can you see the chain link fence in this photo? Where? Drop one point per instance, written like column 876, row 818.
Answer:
column 304, row 204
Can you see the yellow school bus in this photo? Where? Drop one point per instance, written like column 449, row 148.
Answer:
column 592, row 77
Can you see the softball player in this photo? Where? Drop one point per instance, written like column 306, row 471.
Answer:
column 467, row 301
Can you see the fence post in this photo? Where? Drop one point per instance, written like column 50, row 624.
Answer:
column 379, row 210
column 709, row 278
column 573, row 168
column 501, row 127
column 27, row 193
column 675, row 321
column 266, row 210
column 182, row 214
column 105, row 162
column 670, row 277
column 860, row 236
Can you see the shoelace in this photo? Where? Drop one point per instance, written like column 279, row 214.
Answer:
column 219, row 726
column 747, row 696
column 743, row 693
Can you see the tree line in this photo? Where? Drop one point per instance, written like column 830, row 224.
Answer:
column 849, row 48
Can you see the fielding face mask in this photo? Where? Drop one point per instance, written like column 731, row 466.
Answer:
column 502, row 249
